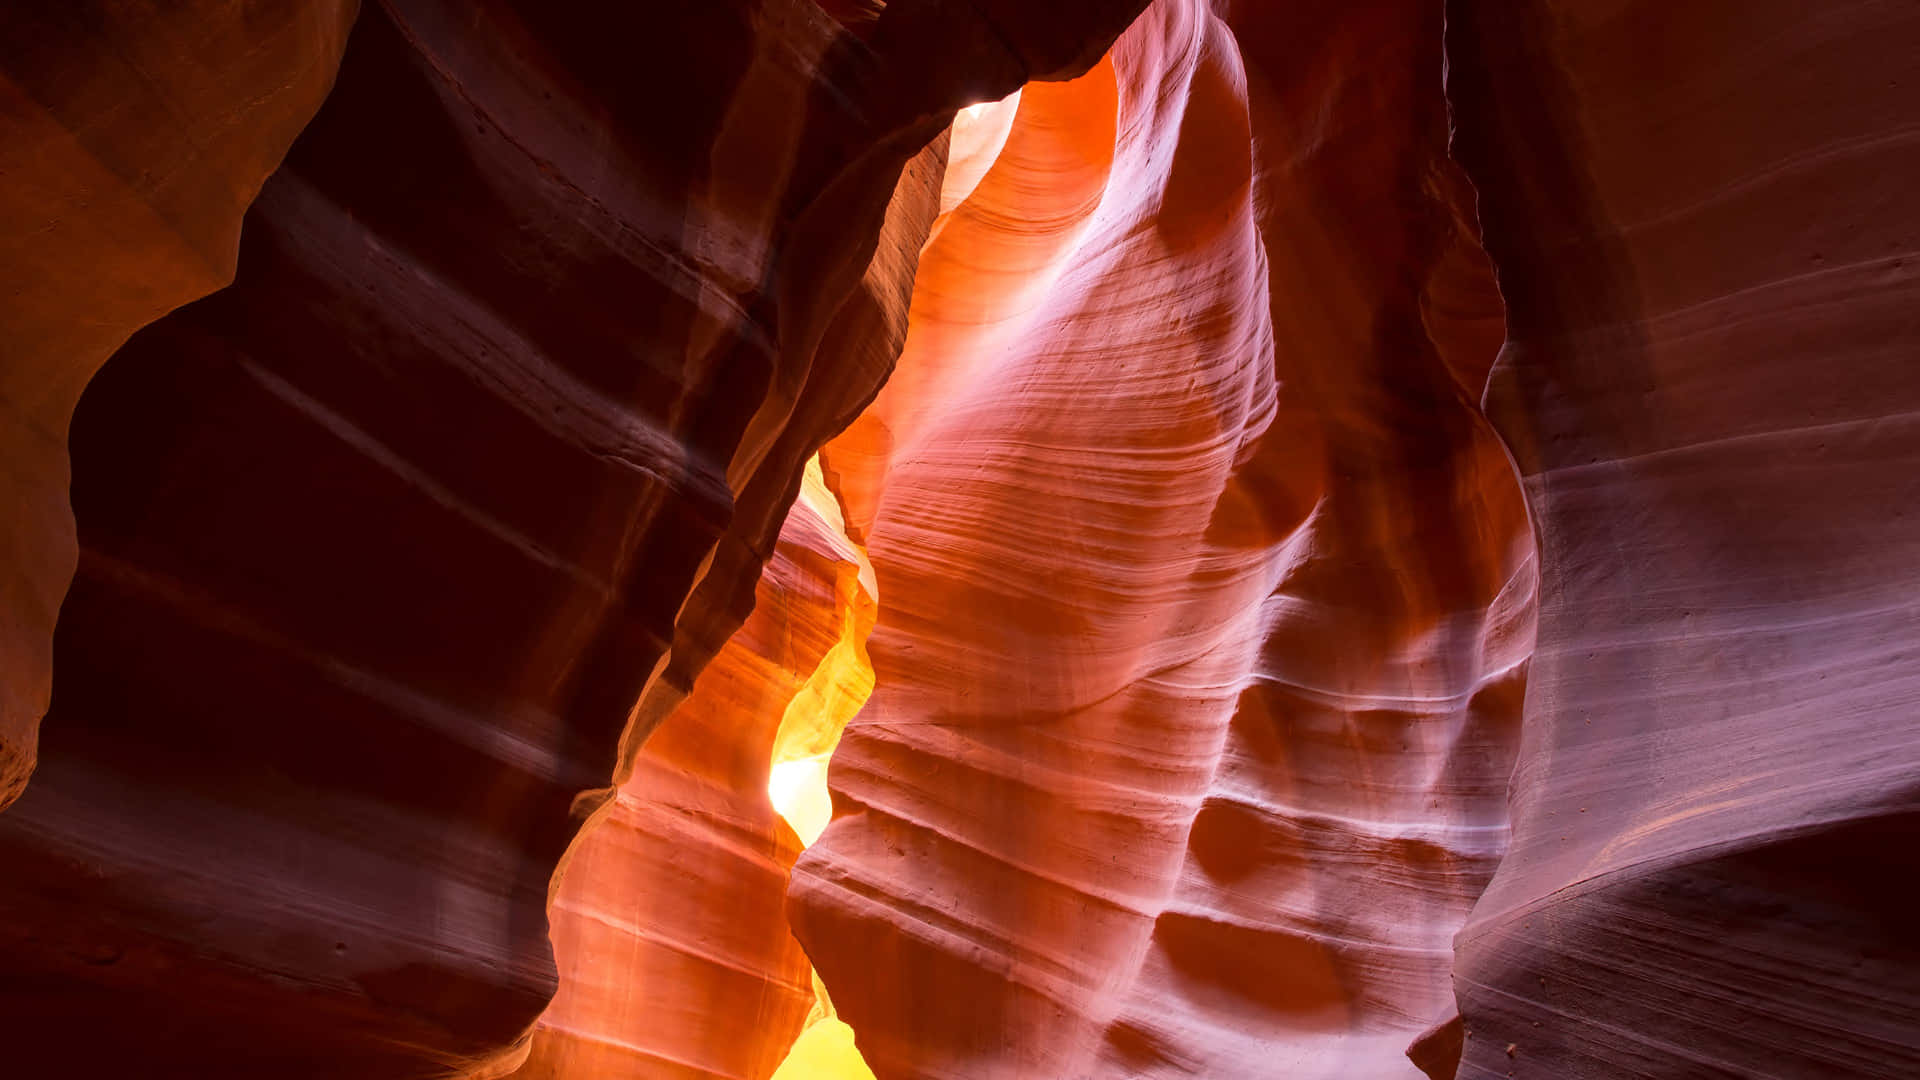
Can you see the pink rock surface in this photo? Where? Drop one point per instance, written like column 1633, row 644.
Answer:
column 530, row 339
column 1704, row 224
column 1231, row 719
column 1205, row 590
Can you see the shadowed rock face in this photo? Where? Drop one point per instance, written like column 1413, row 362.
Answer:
column 1703, row 220
column 132, row 138
column 1264, row 390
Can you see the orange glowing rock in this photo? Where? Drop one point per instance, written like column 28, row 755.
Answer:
column 811, row 725
column 673, row 951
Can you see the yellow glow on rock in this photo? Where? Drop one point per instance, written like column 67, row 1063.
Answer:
column 797, row 785
column 824, row 1051
column 811, row 726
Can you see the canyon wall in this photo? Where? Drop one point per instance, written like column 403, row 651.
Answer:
column 1704, row 222
column 1205, row 590
column 530, row 339
column 1259, row 388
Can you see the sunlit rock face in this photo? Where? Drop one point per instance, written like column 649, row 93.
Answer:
column 1705, row 228
column 673, row 951
column 1205, row 590
column 132, row 138
column 530, row 339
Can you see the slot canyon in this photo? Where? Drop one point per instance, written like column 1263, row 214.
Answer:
column 952, row 539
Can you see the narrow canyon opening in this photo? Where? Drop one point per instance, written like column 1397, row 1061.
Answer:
column 826, row 1048
column 810, row 730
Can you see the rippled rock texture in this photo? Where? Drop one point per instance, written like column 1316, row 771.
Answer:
column 1154, row 786
column 1703, row 220
column 1205, row 590
column 673, row 950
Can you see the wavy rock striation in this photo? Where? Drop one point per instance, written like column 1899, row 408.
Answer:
column 1704, row 225
column 1205, row 589
column 673, row 951
column 530, row 340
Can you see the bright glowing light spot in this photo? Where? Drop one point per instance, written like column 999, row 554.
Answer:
column 799, row 792
column 979, row 134
column 824, row 1051
column 971, row 115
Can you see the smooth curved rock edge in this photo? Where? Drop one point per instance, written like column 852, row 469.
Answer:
column 673, row 952
column 132, row 138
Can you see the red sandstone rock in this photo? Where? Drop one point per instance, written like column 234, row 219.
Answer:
column 1704, row 387
column 132, row 138
column 1208, row 592
column 673, row 950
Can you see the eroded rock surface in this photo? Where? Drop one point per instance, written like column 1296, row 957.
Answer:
column 1703, row 220
column 132, row 138
column 1201, row 517
column 1205, row 590
column 672, row 947
column 531, row 337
